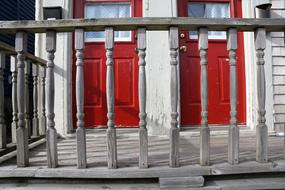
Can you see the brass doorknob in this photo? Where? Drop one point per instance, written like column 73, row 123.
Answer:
column 183, row 48
column 182, row 35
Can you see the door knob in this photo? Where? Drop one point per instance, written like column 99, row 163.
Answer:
column 183, row 48
column 182, row 35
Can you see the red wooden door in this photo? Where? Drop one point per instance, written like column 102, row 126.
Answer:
column 218, row 65
column 125, row 64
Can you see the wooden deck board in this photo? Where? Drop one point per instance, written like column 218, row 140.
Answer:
column 128, row 153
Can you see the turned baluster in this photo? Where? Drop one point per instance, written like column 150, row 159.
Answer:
column 233, row 143
column 22, row 135
column 35, row 101
column 2, row 114
column 205, row 130
column 14, row 124
column 51, row 131
column 174, row 130
column 43, row 120
column 80, row 131
column 143, row 158
column 27, row 95
column 261, row 128
column 111, row 130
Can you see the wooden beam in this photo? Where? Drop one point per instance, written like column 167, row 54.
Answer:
column 213, row 24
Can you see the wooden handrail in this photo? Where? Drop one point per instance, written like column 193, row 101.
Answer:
column 184, row 23
column 7, row 49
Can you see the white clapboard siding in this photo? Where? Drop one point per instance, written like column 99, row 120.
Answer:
column 279, row 118
column 278, row 66
column 277, row 42
column 279, row 89
column 278, row 60
column 277, row 4
column 279, row 80
column 279, row 108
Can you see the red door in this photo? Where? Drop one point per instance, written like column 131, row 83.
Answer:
column 125, row 64
column 218, row 65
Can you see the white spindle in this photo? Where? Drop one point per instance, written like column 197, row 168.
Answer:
column 261, row 128
column 233, row 144
column 51, row 131
column 43, row 101
column 80, row 132
column 205, row 130
column 22, row 136
column 174, row 130
column 111, row 131
column 27, row 95
column 2, row 114
column 14, row 124
column 35, row 101
column 143, row 158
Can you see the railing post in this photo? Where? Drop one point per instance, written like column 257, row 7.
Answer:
column 233, row 143
column 22, row 137
column 14, row 124
column 2, row 116
column 80, row 131
column 261, row 128
column 43, row 100
column 35, row 101
column 174, row 130
column 111, row 131
column 143, row 158
column 51, row 131
column 205, row 130
column 27, row 96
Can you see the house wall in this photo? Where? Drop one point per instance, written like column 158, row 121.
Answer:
column 278, row 64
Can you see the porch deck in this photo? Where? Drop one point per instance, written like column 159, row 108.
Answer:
column 128, row 154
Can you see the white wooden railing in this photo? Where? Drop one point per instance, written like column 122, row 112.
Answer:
column 20, row 63
column 142, row 25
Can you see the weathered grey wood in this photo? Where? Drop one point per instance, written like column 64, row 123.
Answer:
column 22, row 137
column 183, row 23
column 181, row 182
column 35, row 101
column 143, row 157
column 43, row 100
column 27, row 96
column 80, row 131
column 51, row 131
column 205, row 130
column 233, row 143
column 261, row 128
column 111, row 131
column 14, row 124
column 3, row 142
column 174, row 131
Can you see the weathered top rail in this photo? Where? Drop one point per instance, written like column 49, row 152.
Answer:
column 5, row 48
column 184, row 23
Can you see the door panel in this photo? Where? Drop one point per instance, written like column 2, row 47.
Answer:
column 218, row 65
column 125, row 65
